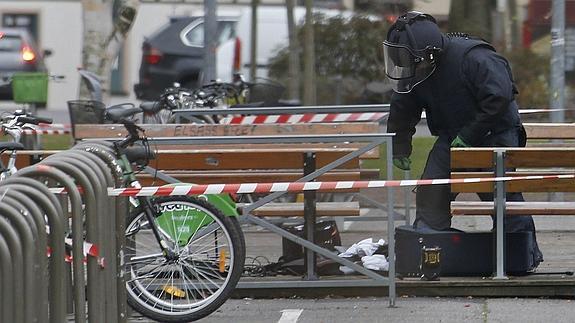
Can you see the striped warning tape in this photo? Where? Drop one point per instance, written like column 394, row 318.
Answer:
column 62, row 190
column 46, row 131
column 49, row 129
column 88, row 249
column 304, row 118
column 308, row 186
column 327, row 117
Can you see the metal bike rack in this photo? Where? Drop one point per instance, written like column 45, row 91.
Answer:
column 84, row 168
column 24, row 224
column 13, row 308
column 103, row 151
column 45, row 171
column 43, row 197
column 23, row 207
column 29, row 292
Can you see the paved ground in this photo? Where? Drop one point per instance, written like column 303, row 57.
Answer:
column 375, row 309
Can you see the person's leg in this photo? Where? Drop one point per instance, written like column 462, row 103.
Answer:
column 433, row 201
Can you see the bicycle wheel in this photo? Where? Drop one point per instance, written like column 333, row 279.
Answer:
column 209, row 250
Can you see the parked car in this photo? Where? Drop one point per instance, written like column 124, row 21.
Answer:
column 174, row 53
column 18, row 53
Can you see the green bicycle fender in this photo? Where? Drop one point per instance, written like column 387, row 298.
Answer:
column 222, row 202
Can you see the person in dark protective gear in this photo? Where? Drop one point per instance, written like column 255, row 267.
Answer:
column 468, row 94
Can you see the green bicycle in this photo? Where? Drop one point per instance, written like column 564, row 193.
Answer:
column 184, row 256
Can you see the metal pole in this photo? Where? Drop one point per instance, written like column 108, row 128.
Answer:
column 500, row 216
column 390, row 223
column 557, row 83
column 309, row 218
column 210, row 40
column 309, row 57
column 254, row 41
column 294, row 52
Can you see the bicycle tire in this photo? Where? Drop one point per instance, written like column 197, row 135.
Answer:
column 205, row 272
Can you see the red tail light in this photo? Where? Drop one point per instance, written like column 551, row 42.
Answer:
column 152, row 56
column 237, row 55
column 28, row 54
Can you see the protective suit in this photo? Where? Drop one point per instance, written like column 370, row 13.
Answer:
column 468, row 94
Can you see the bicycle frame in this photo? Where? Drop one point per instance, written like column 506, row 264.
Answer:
column 153, row 215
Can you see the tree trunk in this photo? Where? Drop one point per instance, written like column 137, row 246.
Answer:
column 104, row 34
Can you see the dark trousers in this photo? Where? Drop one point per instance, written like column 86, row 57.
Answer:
column 433, row 201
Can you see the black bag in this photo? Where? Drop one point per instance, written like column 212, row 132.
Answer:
column 326, row 236
column 462, row 253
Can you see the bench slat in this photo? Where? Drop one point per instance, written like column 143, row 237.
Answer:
column 513, row 208
column 514, row 157
column 546, row 185
column 296, row 209
column 259, row 176
column 82, row 131
column 550, row 130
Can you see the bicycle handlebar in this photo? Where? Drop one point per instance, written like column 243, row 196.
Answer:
column 34, row 120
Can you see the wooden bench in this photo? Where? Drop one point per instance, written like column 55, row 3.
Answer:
column 253, row 163
column 527, row 161
column 542, row 156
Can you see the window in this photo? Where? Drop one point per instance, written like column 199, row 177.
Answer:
column 22, row 20
column 9, row 43
column 194, row 36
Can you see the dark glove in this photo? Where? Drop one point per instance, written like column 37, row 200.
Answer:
column 459, row 143
column 402, row 163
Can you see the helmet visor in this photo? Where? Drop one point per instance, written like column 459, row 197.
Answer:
column 404, row 67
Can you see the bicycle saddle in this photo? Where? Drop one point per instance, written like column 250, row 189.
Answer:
column 11, row 146
column 118, row 113
column 151, row 106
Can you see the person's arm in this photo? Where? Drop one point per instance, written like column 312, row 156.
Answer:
column 489, row 77
column 403, row 117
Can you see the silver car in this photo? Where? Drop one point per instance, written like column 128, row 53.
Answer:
column 18, row 53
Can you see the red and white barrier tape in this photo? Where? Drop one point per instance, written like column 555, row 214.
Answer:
column 88, row 249
column 63, row 190
column 49, row 129
column 46, row 131
column 308, row 186
column 304, row 118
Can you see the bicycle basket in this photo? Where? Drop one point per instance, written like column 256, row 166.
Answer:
column 30, row 87
column 86, row 111
column 267, row 92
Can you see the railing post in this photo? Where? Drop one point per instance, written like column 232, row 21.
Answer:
column 309, row 218
column 500, row 199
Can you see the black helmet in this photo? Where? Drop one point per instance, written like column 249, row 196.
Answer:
column 411, row 50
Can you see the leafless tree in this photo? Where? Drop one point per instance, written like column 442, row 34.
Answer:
column 106, row 24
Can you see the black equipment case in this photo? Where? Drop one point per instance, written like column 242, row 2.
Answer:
column 462, row 253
